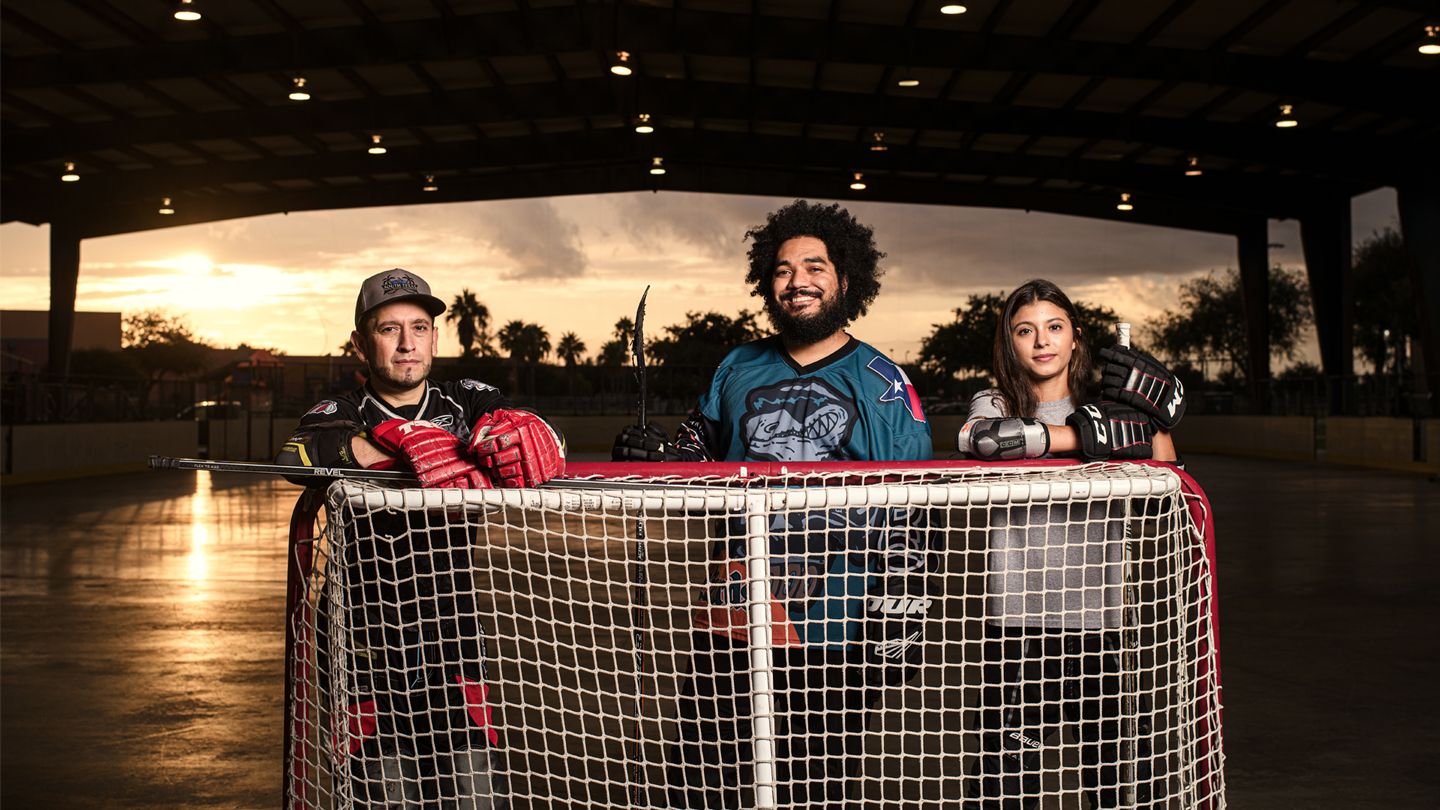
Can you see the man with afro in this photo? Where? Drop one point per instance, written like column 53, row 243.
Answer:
column 849, row 587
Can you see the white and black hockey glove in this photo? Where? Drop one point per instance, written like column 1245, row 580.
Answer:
column 895, row 612
column 650, row 444
column 1144, row 383
column 1110, row 430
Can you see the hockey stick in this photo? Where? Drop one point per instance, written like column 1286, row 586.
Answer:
column 1129, row 645
column 167, row 463
column 640, row 603
column 390, row 476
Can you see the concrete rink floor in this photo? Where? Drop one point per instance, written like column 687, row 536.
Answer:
column 141, row 640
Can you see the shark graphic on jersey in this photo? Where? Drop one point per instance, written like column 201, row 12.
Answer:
column 798, row 420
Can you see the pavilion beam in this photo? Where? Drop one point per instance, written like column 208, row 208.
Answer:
column 1254, row 258
column 64, row 282
column 630, row 175
column 1280, row 197
column 1325, row 238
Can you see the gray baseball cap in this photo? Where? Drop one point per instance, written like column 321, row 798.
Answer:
column 395, row 285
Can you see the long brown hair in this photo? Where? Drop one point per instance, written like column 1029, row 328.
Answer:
column 1016, row 387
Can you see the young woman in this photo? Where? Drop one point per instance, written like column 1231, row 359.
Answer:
column 1055, row 574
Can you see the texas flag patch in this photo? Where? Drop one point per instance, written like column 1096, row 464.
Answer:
column 900, row 387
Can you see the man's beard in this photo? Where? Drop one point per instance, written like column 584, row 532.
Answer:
column 388, row 378
column 808, row 330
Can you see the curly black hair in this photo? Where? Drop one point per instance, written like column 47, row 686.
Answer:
column 851, row 247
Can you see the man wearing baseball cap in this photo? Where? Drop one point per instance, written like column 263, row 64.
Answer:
column 453, row 434
column 403, row 728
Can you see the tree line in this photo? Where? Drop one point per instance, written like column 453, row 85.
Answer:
column 1203, row 337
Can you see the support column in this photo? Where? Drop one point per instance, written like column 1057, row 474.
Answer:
column 1325, row 236
column 1254, row 254
column 64, row 279
column 1420, row 225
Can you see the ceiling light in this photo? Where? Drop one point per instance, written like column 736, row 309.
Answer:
column 643, row 127
column 1432, row 40
column 620, row 68
column 953, row 9
column 879, row 144
column 69, row 176
column 377, row 149
column 1125, row 203
column 187, row 11
column 858, row 184
column 165, row 206
column 1194, row 170
column 908, row 81
column 1287, row 119
column 430, row 183
column 299, row 94
column 657, row 166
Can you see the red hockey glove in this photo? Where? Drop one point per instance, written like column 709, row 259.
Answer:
column 434, row 453
column 518, row 448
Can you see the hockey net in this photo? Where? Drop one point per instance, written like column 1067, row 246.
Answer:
column 537, row 648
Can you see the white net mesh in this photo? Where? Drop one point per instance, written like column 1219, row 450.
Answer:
column 522, row 648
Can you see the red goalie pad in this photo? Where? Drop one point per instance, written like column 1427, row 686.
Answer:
column 518, row 448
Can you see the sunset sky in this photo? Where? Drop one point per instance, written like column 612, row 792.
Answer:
column 580, row 263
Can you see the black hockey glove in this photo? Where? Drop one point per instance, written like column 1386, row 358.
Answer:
column 650, row 444
column 895, row 612
column 1142, row 382
column 1110, row 430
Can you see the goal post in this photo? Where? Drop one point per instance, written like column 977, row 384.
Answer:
column 499, row 648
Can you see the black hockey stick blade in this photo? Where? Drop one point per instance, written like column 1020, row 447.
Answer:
column 638, row 348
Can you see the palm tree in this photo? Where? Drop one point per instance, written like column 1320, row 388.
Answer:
column 569, row 350
column 537, row 347
column 512, row 340
column 472, row 322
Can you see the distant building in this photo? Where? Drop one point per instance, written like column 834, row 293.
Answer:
column 25, row 337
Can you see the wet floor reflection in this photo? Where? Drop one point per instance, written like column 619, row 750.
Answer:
column 142, row 641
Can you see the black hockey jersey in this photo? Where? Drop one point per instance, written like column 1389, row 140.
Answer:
column 323, row 437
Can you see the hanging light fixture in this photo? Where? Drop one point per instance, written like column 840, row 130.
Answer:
column 621, row 68
column 1125, row 202
column 657, row 166
column 376, row 148
column 69, row 176
column 858, row 184
column 953, row 9
column 643, row 125
column 299, row 93
column 1287, row 117
column 879, row 144
column 165, row 206
column 187, row 11
column 1431, row 45
column 908, row 81
column 430, row 183
column 1193, row 169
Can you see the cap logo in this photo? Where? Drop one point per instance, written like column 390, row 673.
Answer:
column 391, row 285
